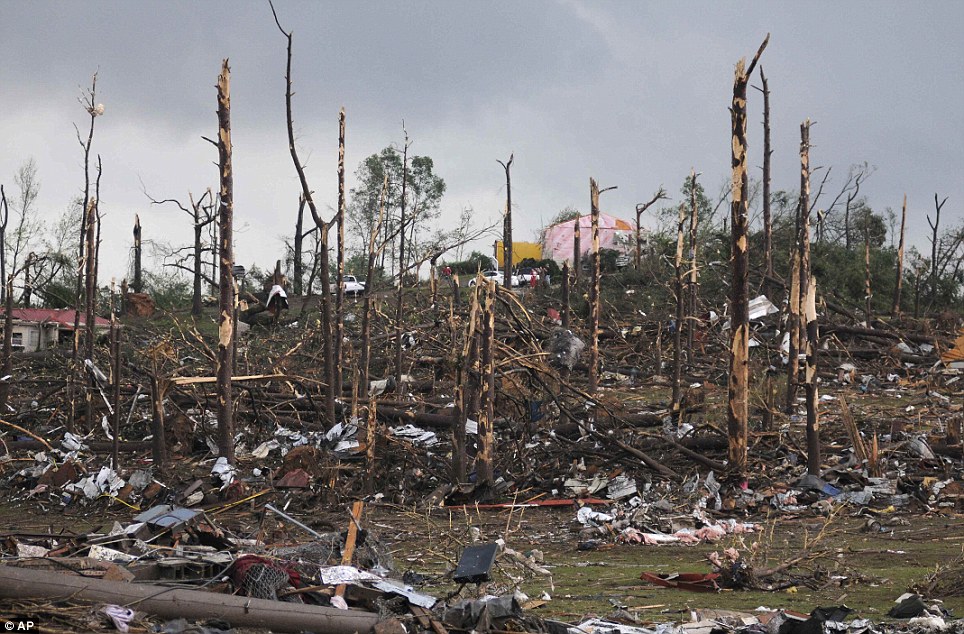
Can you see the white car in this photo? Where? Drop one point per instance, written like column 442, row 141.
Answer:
column 352, row 286
column 494, row 275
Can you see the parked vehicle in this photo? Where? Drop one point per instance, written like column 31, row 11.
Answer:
column 495, row 275
column 352, row 286
column 525, row 276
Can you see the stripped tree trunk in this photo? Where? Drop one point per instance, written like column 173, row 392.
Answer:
column 366, row 345
column 138, row 281
column 565, row 294
column 804, row 237
column 868, row 290
column 661, row 194
column 27, row 283
column 90, row 280
column 793, row 329
column 594, row 289
column 97, row 241
column 297, row 264
column 738, row 385
column 767, row 220
column 90, row 299
column 324, row 273
column 214, row 257
column 464, row 385
column 850, row 199
column 339, row 334
column 935, row 244
column 323, row 230
column 370, row 439
column 899, row 282
column 4, row 218
column 678, row 331
column 115, row 346
column 810, row 381
column 196, row 305
column 82, row 253
column 507, row 226
column 576, row 251
column 484, row 464
column 807, row 292
column 158, row 442
column 400, row 299
column 692, row 320
column 226, row 278
column 7, row 369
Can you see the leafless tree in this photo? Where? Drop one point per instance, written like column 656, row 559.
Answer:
column 935, row 242
column 640, row 209
column 323, row 232
column 4, row 218
column 507, row 225
column 400, row 290
column 138, row 279
column 227, row 300
column 191, row 258
column 767, row 152
column 899, row 281
column 339, row 324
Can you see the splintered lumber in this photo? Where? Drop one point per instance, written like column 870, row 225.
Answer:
column 957, row 352
column 350, row 540
column 199, row 380
column 173, row 603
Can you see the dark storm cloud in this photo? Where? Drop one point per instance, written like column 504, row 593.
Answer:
column 632, row 93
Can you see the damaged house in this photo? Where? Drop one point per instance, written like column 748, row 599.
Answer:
column 42, row 328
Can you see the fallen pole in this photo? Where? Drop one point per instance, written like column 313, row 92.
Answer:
column 171, row 603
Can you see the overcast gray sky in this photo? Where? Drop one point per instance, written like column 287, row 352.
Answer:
column 632, row 93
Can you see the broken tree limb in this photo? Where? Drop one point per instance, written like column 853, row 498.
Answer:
column 643, row 456
column 174, row 603
column 857, row 331
column 197, row 380
column 28, row 432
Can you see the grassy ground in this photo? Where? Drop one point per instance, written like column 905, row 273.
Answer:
column 865, row 571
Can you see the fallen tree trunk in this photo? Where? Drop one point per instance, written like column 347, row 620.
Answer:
column 96, row 446
column 857, row 331
column 173, row 603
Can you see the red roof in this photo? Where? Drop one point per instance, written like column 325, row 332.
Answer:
column 62, row 316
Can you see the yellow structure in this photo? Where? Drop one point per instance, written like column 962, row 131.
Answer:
column 520, row 251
